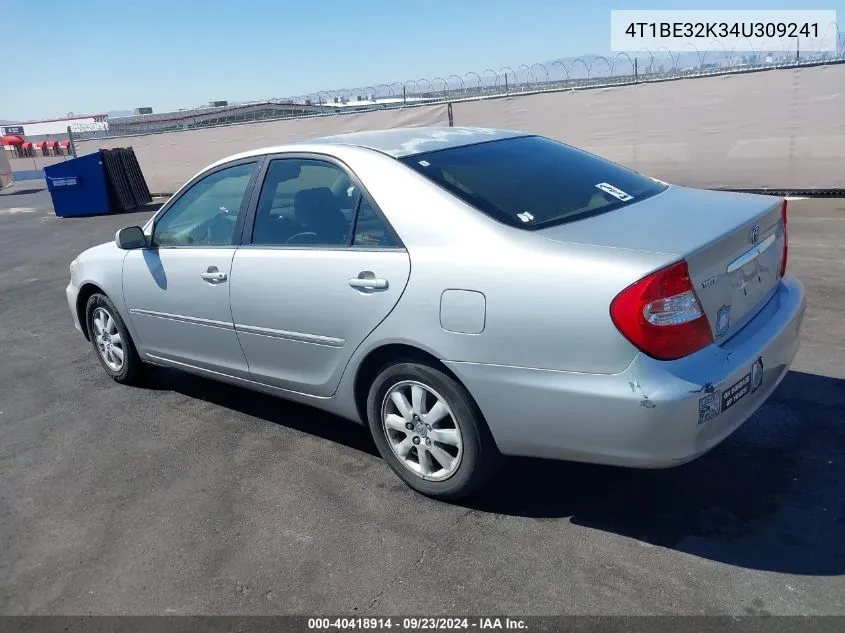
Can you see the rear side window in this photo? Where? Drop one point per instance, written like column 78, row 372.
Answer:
column 370, row 230
column 532, row 182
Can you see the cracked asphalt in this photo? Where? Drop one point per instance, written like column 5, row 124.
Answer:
column 192, row 497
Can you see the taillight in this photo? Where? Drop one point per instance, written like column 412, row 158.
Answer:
column 661, row 315
column 785, row 240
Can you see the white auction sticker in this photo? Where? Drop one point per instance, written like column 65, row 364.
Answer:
column 805, row 31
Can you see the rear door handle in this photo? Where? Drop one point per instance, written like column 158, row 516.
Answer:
column 213, row 275
column 366, row 283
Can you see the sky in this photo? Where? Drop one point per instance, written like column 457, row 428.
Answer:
column 93, row 56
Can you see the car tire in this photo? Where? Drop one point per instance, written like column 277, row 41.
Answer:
column 447, row 431
column 111, row 341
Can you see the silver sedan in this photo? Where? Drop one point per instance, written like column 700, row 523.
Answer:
column 466, row 293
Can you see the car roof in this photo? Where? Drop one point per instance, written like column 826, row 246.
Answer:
column 398, row 142
column 408, row 141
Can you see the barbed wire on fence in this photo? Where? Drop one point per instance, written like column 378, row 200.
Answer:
column 592, row 71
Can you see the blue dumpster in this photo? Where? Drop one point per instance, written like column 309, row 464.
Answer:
column 78, row 186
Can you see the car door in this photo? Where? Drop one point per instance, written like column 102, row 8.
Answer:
column 318, row 270
column 177, row 290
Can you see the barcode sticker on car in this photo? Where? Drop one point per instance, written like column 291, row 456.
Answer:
column 614, row 191
column 424, row 163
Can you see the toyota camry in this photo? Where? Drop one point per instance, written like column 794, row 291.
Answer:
column 466, row 293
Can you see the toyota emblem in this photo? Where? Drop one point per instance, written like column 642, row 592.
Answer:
column 754, row 235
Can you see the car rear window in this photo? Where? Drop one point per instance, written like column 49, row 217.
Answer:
column 533, row 182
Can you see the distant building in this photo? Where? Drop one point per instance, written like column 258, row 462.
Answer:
column 211, row 115
column 216, row 113
column 55, row 129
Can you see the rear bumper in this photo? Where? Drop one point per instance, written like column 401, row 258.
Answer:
column 655, row 414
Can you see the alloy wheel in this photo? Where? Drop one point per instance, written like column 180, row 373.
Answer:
column 421, row 430
column 108, row 339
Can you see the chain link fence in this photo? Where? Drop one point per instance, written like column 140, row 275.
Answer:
column 566, row 74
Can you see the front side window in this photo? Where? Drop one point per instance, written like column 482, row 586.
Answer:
column 532, row 182
column 206, row 214
column 305, row 202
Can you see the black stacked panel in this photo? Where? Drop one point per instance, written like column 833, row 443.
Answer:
column 125, row 181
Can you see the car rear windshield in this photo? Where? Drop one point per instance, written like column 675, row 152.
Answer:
column 533, row 182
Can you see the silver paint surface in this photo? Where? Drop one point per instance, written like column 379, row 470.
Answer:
column 550, row 372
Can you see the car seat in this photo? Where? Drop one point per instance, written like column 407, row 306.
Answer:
column 318, row 210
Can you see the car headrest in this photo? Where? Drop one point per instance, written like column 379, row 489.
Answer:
column 317, row 202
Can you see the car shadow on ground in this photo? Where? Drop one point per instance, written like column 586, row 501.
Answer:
column 262, row 406
column 20, row 192
column 771, row 497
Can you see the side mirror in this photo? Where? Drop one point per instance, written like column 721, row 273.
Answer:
column 130, row 237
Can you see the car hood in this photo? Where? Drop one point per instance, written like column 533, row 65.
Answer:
column 104, row 251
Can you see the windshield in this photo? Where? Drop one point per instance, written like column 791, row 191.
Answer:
column 532, row 182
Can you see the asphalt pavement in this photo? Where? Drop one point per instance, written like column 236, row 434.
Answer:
column 191, row 497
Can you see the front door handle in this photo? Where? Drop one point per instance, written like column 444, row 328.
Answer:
column 368, row 283
column 213, row 275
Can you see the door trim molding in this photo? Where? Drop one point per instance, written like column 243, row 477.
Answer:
column 299, row 337
column 223, row 325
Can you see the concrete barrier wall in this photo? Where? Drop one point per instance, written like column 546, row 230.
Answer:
column 169, row 159
column 35, row 162
column 5, row 170
column 773, row 129
column 780, row 129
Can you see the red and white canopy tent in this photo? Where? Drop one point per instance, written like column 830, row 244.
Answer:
column 14, row 141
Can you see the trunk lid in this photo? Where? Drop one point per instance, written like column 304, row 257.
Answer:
column 733, row 244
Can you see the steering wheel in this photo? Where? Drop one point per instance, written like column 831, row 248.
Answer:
column 310, row 236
